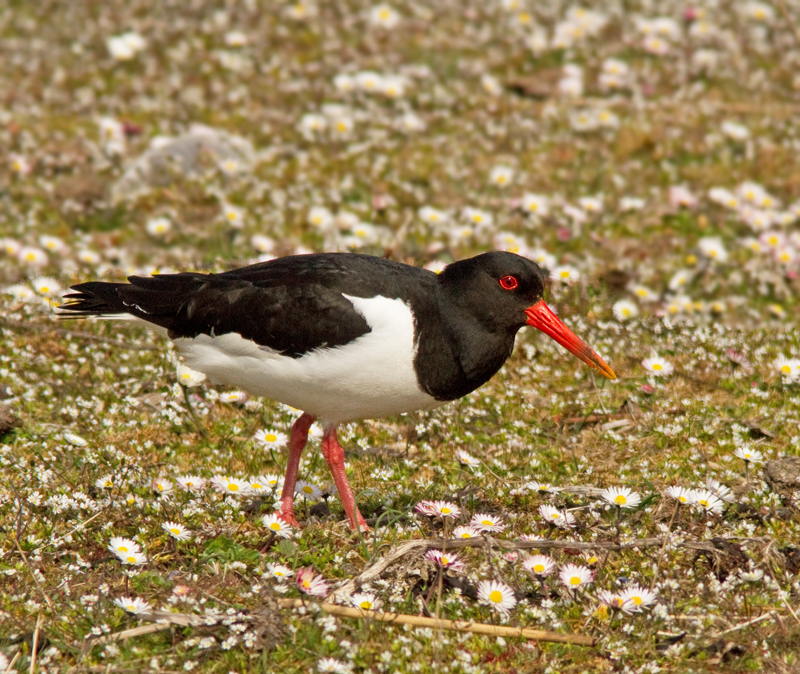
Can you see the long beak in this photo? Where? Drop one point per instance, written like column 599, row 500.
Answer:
column 541, row 318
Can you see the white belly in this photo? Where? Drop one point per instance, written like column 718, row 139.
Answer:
column 372, row 376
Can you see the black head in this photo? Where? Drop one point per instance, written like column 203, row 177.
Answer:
column 496, row 288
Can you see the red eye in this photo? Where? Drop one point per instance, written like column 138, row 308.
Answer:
column 509, row 282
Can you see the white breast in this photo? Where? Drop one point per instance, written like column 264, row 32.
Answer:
column 372, row 376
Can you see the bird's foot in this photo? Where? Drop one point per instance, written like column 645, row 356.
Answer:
column 286, row 513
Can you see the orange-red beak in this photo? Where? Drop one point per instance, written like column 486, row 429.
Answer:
column 541, row 318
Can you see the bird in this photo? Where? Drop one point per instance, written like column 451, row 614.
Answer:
column 342, row 336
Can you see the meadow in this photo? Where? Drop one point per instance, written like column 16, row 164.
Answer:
column 646, row 153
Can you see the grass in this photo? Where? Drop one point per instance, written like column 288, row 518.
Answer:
column 544, row 418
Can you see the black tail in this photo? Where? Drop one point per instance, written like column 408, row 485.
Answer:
column 94, row 299
column 155, row 299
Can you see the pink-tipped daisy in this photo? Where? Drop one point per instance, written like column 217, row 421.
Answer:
column 311, row 583
column 447, row 560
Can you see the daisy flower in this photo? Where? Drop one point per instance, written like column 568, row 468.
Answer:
column 501, row 176
column 432, row 216
column 445, row 509
column 158, row 226
column 132, row 605
column 35, row 257
column 188, row 377
column 496, row 594
column 133, row 558
column 639, row 597
column 712, row 247
column 561, row 519
column 74, row 439
column 122, row 546
column 751, row 576
column 720, row 490
column 426, row 508
column 535, row 204
column 624, row 497
column 162, row 486
column 544, row 487
column 277, row 526
column 447, row 560
column 467, row 459
column 257, row 485
column 624, row 310
column 308, row 490
column 384, row 16
column 191, row 482
column 105, row 482
column 565, row 274
column 465, row 531
column 644, row 293
column 270, row 439
column 574, row 576
column 311, row 583
column 616, row 601
column 279, row 571
column 789, row 368
column 530, row 537
column 485, row 522
column 707, row 500
column 332, row 666
column 229, row 485
column 366, row 601
column 680, row 494
column 749, row 455
column 233, row 215
column 477, row 217
column 271, row 481
column 539, row 565
column 177, row 531
column 233, row 397
column 657, row 366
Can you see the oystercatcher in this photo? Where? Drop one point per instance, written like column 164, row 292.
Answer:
column 343, row 336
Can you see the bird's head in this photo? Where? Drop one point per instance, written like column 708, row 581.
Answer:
column 506, row 291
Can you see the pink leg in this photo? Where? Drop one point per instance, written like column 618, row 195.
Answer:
column 297, row 441
column 334, row 455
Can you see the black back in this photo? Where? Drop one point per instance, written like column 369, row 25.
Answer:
column 465, row 322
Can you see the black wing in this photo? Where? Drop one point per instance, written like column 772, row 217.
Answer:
column 292, row 305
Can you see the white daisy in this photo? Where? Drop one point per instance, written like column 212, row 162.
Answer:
column 657, row 365
column 624, row 497
column 366, row 601
column 308, row 490
column 485, row 522
column 188, row 377
column 559, row 518
column 277, row 526
column 225, row 484
column 132, row 605
column 177, row 531
column 539, row 565
column 574, row 576
column 270, row 439
column 625, row 310
column 496, row 594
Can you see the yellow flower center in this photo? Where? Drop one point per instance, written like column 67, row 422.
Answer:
column 445, row 560
column 131, row 559
column 620, row 500
column 233, row 487
column 636, row 600
column 446, row 511
column 366, row 604
column 123, row 548
column 658, row 366
column 466, row 534
column 275, row 526
column 539, row 568
column 175, row 531
column 565, row 274
column 496, row 596
column 575, row 580
column 270, row 437
column 308, row 490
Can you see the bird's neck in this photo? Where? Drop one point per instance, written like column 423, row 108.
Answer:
column 457, row 353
